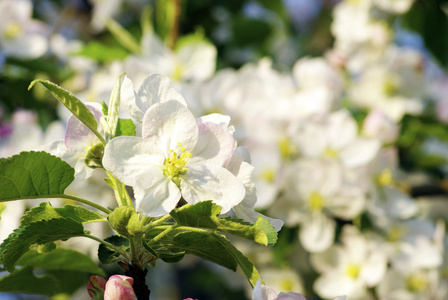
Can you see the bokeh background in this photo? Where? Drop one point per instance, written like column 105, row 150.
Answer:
column 343, row 106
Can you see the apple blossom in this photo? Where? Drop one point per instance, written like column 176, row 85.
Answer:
column 175, row 158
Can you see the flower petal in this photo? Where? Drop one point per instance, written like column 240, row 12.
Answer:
column 155, row 194
column 317, row 233
column 209, row 182
column 128, row 158
column 214, row 145
column 77, row 135
column 128, row 98
column 157, row 88
column 168, row 124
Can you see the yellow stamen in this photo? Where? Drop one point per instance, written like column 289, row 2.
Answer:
column 286, row 285
column 174, row 165
column 287, row 149
column 330, row 153
column 416, row 283
column 385, row 178
column 268, row 175
column 353, row 270
column 316, row 202
column 12, row 30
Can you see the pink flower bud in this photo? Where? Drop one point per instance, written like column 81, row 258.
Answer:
column 96, row 282
column 119, row 287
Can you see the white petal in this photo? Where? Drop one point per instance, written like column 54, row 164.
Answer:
column 157, row 88
column 317, row 233
column 199, row 60
column 209, row 182
column 168, row 124
column 127, row 98
column 74, row 159
column 155, row 194
column 214, row 145
column 359, row 152
column 333, row 284
column 341, row 130
column 128, row 158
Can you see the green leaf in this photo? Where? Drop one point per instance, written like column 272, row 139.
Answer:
column 102, row 52
column 125, row 127
column 217, row 249
column 202, row 215
column 41, row 232
column 106, row 255
column 61, row 259
column 205, row 215
column 74, row 105
column 45, row 211
column 33, row 175
column 49, row 283
column 261, row 232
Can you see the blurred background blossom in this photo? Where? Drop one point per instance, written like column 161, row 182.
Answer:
column 342, row 104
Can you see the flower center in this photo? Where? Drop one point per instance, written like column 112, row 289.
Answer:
column 385, row 178
column 352, row 271
column 390, row 86
column 316, row 202
column 268, row 175
column 287, row 149
column 330, row 153
column 12, row 30
column 174, row 164
column 287, row 285
column 416, row 282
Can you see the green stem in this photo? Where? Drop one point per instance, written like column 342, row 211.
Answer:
column 99, row 136
column 161, row 235
column 169, row 228
column 64, row 196
column 133, row 249
column 108, row 245
column 157, row 222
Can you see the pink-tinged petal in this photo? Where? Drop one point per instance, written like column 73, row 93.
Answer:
column 290, row 296
column 119, row 287
column 219, row 119
column 128, row 158
column 155, row 89
column 155, row 194
column 168, row 124
column 214, row 146
column 77, row 135
column 210, row 182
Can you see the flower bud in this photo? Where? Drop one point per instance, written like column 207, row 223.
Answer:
column 125, row 221
column 119, row 287
column 94, row 156
column 96, row 287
